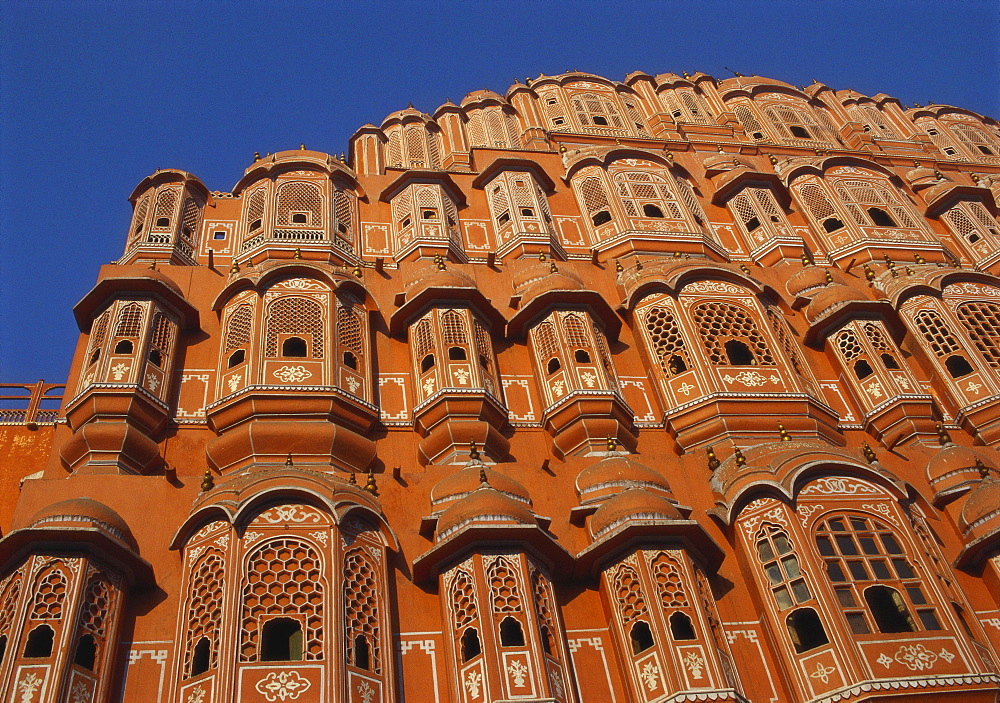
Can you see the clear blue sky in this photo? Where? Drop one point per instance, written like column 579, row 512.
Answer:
column 94, row 96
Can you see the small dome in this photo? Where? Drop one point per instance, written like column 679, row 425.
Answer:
column 433, row 277
column 77, row 513
column 535, row 280
column 829, row 299
column 484, row 506
column 953, row 466
column 921, row 175
column 809, row 279
column 718, row 163
column 466, row 481
column 982, row 505
column 478, row 95
column 613, row 474
column 630, row 505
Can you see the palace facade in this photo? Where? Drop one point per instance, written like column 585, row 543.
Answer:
column 667, row 389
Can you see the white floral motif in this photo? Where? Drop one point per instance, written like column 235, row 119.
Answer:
column 195, row 553
column 152, row 381
column 823, row 672
column 80, row 693
column 119, row 370
column 747, row 378
column 428, row 385
column 289, row 513
column 234, row 382
column 902, row 380
column 197, row 695
column 589, row 378
column 462, row 376
column 223, row 541
column 557, row 388
column 282, row 686
column 366, row 692
column 28, row 685
column 946, row 655
column 353, row 384
column 973, row 387
column 292, row 374
column 517, row 670
column 694, row 663
column 884, row 660
column 472, row 682
column 251, row 536
column 555, row 677
column 874, row 389
column 685, row 388
column 916, row 657
column 650, row 675
column 319, row 536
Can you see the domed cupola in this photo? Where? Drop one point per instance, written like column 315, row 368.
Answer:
column 954, row 469
column 485, row 506
column 462, row 484
column 633, row 505
column 609, row 476
column 980, row 517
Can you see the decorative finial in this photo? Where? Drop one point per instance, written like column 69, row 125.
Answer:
column 152, row 265
column 207, row 481
column 828, row 276
column 302, row 147
column 669, row 154
column 541, row 256
column 612, row 444
column 297, row 254
column 909, row 271
column 677, row 255
column 773, row 159
column 713, row 461
column 984, row 470
column 562, row 148
column 343, row 158
column 638, row 264
column 256, row 155
column 740, row 459
column 916, row 164
column 473, row 451
column 235, row 268
column 288, row 459
column 618, row 266
column 807, row 259
column 869, row 453
column 869, row 274
column 744, row 268
column 975, row 178
column 919, row 259
column 944, row 438
column 686, row 74
column 353, row 480
column 357, row 271
column 370, row 484
column 483, row 480
column 552, row 267
column 439, row 261
column 785, row 437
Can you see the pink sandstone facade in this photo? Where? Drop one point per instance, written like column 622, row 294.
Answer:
column 669, row 389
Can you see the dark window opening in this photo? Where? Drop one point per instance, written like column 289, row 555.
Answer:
column 553, row 365
column 362, row 654
column 949, row 151
column 800, row 132
column 483, row 361
column 3, row 646
column 124, row 347
column 457, row 354
column 527, row 212
column 598, row 119
column 757, row 135
column 405, row 222
column 890, row 612
column 557, row 121
column 958, row 366
column 985, row 150
column 281, row 640
column 806, row 630
column 581, row 356
column 890, row 361
column 350, row 361
column 201, row 657
column 256, row 224
column 237, row 358
column 511, row 634
column 832, row 224
column 95, row 356
column 470, row 644
column 429, row 214
column 342, row 228
column 601, row 217
column 294, row 346
column 641, row 636
column 959, row 613
column 862, row 369
column 650, row 210
column 752, row 224
column 973, row 237
column 86, row 652
column 186, row 231
column 299, row 218
column 219, row 235
column 676, row 365
column 739, row 353
column 881, row 217
column 503, row 219
column 681, row 627
column 156, row 357
column 163, row 222
column 39, row 642
column 546, row 640
column 427, row 363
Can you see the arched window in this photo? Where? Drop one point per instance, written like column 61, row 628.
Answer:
column 806, row 630
column 641, row 637
column 236, row 358
column 203, row 613
column 777, row 558
column 753, row 126
column 645, row 194
column 281, row 640
column 129, row 321
column 294, row 347
column 295, row 316
column 299, row 204
column 39, row 642
column 471, row 646
column 596, row 111
column 665, row 338
column 595, row 199
column 942, row 342
column 362, row 605
column 978, row 143
column 681, row 627
column 86, row 652
column 820, row 207
column 511, row 632
column 139, row 216
column 200, row 657
column 874, row 203
column 972, row 222
column 465, row 614
column 756, row 208
column 124, row 346
column 253, row 215
column 730, row 335
column 868, row 569
column 981, row 319
column 164, row 214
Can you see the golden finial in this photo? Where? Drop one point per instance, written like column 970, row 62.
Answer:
column 562, row 148
column 828, row 276
column 618, row 266
column 302, row 147
column 869, row 453
column 938, row 175
column 256, row 155
column 473, row 451
column 541, row 256
column 807, row 259
column 235, row 268
column 869, row 274
column 527, row 81
column 919, row 259
column 207, row 481
column 297, row 254
column 783, row 433
column 677, row 255
column 439, row 261
column 343, row 158
column 909, row 271
column 288, row 459
column 638, row 264
column 152, row 265
column 984, row 470
column 686, row 74
column 370, row 484
column 916, row 164
column 353, row 480
column 744, row 268
column 773, row 159
column 552, row 267
column 713, row 461
column 740, row 459
column 669, row 154
column 357, row 271
column 612, row 443
column 975, row 178
column 943, row 437
column 483, row 479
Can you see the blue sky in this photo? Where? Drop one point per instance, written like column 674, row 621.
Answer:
column 94, row 96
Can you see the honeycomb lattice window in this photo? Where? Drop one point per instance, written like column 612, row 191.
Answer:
column 255, row 209
column 668, row 344
column 129, row 321
column 720, row 323
column 294, row 315
column 643, row 194
column 165, row 208
column 555, row 112
column 849, row 346
column 9, row 595
column 453, row 328
column 204, row 609
column 141, row 210
column 98, row 603
column 49, row 595
column 434, row 149
column 163, row 334
column 793, row 123
column 593, row 110
column 817, row 202
column 982, row 322
column 977, row 142
column 415, row 142
column 628, row 594
column 594, row 196
column 753, row 126
column 635, row 115
column 576, row 331
column 669, row 582
column 496, row 128
column 545, row 341
column 477, row 134
column 859, row 196
column 877, row 122
column 283, row 578
column 343, row 211
column 401, row 207
column 394, row 155
column 99, row 331
column 239, row 327
column 936, row 333
column 504, row 590
column 499, row 206
column 877, row 339
column 296, row 200
column 423, row 338
column 690, row 199
column 349, row 329
column 543, row 602
column 361, row 606
column 483, row 343
column 462, row 598
column 784, row 336
column 189, row 218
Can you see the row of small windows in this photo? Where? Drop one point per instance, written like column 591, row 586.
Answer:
column 41, row 640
